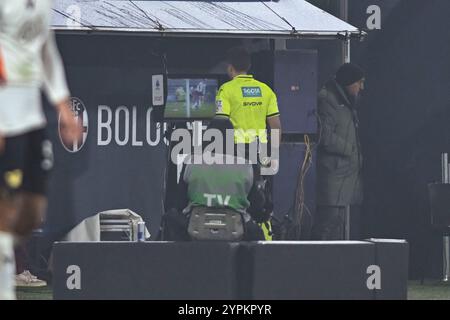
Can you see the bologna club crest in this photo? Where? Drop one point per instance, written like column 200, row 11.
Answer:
column 80, row 114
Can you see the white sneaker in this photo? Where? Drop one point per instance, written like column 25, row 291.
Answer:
column 26, row 279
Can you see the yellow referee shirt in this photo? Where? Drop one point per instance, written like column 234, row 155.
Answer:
column 248, row 103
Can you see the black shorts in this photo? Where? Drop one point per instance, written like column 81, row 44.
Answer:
column 25, row 163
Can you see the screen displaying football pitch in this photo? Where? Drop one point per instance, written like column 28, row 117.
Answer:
column 191, row 98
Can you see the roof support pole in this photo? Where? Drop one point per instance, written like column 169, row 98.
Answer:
column 343, row 14
column 346, row 49
column 343, row 10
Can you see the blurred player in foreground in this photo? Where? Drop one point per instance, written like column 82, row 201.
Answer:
column 29, row 60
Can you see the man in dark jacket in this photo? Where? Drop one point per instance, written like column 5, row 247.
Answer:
column 339, row 163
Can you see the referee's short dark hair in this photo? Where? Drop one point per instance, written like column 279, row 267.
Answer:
column 239, row 58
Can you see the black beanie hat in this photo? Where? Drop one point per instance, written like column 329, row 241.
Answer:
column 348, row 74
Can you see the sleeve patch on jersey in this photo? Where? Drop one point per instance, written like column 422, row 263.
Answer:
column 219, row 106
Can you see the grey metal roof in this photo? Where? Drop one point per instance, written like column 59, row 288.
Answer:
column 283, row 18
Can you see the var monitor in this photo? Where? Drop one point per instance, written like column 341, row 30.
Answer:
column 190, row 98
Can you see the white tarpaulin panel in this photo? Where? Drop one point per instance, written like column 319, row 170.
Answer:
column 263, row 18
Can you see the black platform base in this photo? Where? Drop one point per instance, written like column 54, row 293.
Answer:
column 229, row 271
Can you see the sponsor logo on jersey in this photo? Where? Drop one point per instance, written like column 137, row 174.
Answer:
column 251, row 92
column 80, row 114
column 253, row 104
column 31, row 29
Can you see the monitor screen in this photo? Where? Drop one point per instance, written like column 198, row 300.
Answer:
column 191, row 98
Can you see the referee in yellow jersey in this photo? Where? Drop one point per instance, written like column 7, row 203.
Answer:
column 250, row 104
